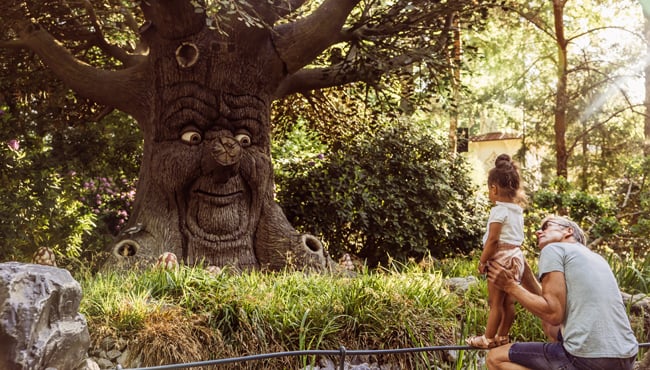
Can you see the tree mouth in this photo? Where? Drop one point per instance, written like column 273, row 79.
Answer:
column 220, row 212
column 219, row 199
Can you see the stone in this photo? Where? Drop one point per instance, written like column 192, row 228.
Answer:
column 40, row 324
column 104, row 363
column 88, row 364
column 113, row 354
column 460, row 284
column 167, row 261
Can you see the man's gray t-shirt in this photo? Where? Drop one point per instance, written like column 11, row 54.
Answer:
column 596, row 322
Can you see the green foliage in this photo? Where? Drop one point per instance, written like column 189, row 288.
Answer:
column 632, row 271
column 283, row 311
column 633, row 199
column 594, row 213
column 395, row 194
column 49, row 195
column 39, row 207
column 374, row 310
column 295, row 146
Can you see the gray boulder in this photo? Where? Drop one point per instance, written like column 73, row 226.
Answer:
column 40, row 324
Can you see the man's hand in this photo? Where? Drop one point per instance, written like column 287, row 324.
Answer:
column 550, row 306
column 499, row 276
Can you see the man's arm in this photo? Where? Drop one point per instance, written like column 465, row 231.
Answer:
column 550, row 306
column 529, row 281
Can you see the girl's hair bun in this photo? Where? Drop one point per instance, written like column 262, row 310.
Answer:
column 502, row 160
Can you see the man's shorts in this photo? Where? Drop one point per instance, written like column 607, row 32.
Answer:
column 548, row 356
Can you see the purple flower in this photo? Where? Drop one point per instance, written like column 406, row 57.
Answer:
column 320, row 156
column 14, row 144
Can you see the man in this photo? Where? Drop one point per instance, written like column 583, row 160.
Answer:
column 579, row 303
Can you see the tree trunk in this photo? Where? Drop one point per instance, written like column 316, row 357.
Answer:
column 646, row 131
column 561, row 97
column 454, row 63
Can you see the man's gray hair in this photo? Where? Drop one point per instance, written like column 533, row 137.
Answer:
column 578, row 234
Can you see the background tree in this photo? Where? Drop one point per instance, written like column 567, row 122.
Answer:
column 598, row 57
column 605, row 120
column 645, row 7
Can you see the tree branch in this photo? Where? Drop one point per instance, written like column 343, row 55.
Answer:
column 180, row 18
column 345, row 72
column 99, row 39
column 123, row 89
column 300, row 42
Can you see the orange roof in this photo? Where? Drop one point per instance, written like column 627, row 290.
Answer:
column 494, row 136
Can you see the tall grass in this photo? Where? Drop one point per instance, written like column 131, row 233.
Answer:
column 188, row 314
column 631, row 270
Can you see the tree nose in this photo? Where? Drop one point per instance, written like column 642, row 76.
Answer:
column 221, row 157
column 226, row 151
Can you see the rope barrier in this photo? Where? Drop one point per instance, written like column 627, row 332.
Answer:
column 342, row 352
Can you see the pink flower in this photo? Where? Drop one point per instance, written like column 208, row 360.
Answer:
column 14, row 144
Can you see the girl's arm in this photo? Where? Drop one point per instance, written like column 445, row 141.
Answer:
column 491, row 245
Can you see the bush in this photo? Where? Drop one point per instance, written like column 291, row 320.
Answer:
column 594, row 214
column 395, row 194
column 49, row 195
column 38, row 207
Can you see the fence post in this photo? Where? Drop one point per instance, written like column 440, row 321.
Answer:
column 342, row 350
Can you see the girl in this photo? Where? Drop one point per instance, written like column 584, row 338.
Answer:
column 501, row 244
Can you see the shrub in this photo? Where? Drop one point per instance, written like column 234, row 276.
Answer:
column 593, row 213
column 38, row 207
column 394, row 194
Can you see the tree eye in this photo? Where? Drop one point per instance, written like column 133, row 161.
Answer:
column 244, row 140
column 191, row 137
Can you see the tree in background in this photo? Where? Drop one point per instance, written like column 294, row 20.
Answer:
column 512, row 85
column 645, row 7
column 590, row 102
column 565, row 86
column 200, row 78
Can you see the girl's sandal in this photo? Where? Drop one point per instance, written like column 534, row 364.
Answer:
column 501, row 340
column 480, row 341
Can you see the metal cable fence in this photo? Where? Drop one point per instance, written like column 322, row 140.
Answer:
column 341, row 353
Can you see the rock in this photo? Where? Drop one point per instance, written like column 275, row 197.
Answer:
column 113, row 354
column 40, row 324
column 104, row 363
column 460, row 284
column 44, row 256
column 88, row 364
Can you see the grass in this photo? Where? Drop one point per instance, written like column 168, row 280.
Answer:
column 189, row 315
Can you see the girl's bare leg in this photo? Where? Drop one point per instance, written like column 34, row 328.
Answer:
column 496, row 297
column 508, row 316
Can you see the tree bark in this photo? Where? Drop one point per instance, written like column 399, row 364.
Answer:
column 561, row 97
column 455, row 85
column 646, row 102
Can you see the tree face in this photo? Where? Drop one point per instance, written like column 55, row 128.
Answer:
column 212, row 157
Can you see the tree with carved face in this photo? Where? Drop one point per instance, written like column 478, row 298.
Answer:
column 200, row 85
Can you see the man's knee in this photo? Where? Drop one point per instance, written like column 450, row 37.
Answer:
column 497, row 356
